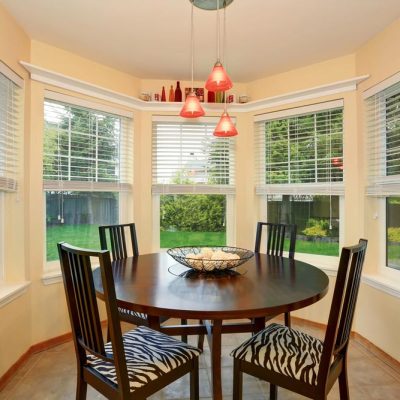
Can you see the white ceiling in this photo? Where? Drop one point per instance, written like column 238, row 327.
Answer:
column 151, row 38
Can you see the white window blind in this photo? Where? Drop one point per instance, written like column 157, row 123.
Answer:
column 300, row 153
column 86, row 149
column 11, row 113
column 187, row 158
column 383, row 141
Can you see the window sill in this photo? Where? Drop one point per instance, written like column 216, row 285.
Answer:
column 329, row 264
column 11, row 291
column 51, row 277
column 382, row 283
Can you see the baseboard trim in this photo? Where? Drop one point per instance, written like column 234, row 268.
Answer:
column 36, row 348
column 375, row 350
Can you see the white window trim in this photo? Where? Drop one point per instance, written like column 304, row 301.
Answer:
column 10, row 74
column 296, row 111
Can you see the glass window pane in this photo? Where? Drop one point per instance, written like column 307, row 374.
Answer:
column 192, row 220
column 74, row 217
column 316, row 217
column 393, row 232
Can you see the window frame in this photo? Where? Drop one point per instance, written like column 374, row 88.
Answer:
column 51, row 269
column 11, row 191
column 229, row 190
column 379, row 185
column 335, row 188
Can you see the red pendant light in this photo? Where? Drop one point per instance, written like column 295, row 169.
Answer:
column 218, row 80
column 192, row 107
column 225, row 127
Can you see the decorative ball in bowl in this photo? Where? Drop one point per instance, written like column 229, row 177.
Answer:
column 206, row 259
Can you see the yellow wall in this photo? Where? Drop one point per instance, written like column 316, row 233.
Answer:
column 64, row 62
column 44, row 305
column 15, row 316
column 314, row 75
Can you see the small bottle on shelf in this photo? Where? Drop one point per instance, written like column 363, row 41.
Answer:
column 171, row 96
column 178, row 92
column 163, row 97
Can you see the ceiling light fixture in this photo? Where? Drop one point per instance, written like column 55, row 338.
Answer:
column 219, row 81
column 192, row 107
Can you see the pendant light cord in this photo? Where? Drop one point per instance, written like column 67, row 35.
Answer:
column 223, row 57
column 218, row 33
column 192, row 44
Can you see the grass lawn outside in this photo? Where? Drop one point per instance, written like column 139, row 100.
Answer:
column 87, row 236
column 394, row 255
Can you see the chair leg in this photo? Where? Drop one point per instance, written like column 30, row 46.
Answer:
column 81, row 387
column 343, row 382
column 200, row 340
column 287, row 319
column 273, row 392
column 194, row 381
column 184, row 338
column 237, row 381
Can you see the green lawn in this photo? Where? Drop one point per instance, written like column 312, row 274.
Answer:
column 177, row 239
column 88, row 236
column 394, row 255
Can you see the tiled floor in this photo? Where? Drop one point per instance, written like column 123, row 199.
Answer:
column 51, row 375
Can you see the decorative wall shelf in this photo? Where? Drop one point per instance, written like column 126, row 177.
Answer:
column 43, row 75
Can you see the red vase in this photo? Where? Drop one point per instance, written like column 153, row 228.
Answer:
column 210, row 97
column 178, row 92
column 163, row 97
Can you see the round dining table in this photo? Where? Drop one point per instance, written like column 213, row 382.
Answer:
column 256, row 291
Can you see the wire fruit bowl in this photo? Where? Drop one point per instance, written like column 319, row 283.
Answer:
column 207, row 259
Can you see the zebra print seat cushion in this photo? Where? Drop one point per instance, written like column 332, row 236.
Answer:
column 149, row 355
column 125, row 311
column 285, row 351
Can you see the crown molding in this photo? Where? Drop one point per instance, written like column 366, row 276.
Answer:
column 46, row 76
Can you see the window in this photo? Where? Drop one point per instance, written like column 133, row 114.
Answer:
column 193, row 183
column 11, row 128
column 299, row 155
column 87, row 172
column 383, row 146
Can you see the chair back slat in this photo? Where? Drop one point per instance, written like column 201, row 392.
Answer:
column 276, row 234
column 118, row 242
column 343, row 305
column 82, row 304
column 350, row 299
column 83, row 309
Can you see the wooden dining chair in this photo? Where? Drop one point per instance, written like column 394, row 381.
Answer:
column 297, row 361
column 119, row 245
column 131, row 366
column 276, row 235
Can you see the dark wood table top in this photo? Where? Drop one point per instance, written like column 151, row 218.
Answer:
column 265, row 285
